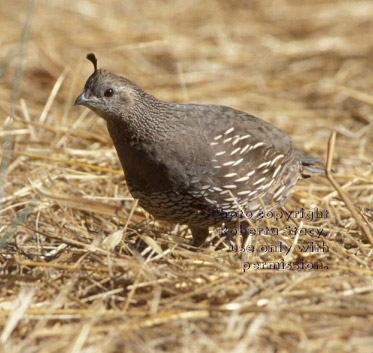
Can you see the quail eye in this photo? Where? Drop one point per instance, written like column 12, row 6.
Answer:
column 109, row 92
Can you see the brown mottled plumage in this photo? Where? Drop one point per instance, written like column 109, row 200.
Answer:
column 183, row 160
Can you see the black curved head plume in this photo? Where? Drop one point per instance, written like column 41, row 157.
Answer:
column 92, row 58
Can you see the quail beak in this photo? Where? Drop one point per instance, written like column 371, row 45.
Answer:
column 82, row 99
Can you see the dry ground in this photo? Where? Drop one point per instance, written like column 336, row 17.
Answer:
column 85, row 270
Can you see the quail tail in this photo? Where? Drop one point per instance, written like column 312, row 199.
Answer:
column 307, row 163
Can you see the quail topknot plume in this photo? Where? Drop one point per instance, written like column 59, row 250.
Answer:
column 183, row 160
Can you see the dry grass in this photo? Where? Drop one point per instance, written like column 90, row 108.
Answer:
column 83, row 271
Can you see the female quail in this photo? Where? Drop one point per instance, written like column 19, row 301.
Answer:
column 183, row 160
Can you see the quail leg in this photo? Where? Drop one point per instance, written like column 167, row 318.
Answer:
column 199, row 235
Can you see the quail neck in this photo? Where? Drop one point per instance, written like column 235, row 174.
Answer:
column 182, row 160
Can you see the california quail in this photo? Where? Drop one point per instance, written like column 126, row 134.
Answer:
column 183, row 160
